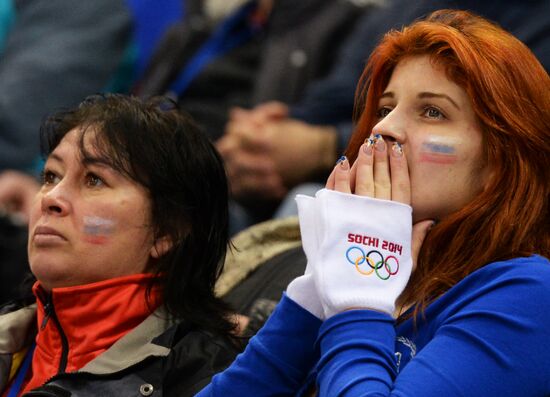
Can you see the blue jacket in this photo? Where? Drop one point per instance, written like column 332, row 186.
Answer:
column 487, row 336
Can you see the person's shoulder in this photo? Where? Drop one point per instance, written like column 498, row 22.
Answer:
column 519, row 272
column 204, row 345
column 525, row 281
column 534, row 268
column 522, row 283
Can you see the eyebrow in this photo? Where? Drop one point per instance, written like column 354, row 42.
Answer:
column 96, row 161
column 423, row 95
column 55, row 157
column 99, row 162
column 86, row 161
column 434, row 95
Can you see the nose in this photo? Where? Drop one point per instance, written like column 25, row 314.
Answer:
column 392, row 126
column 55, row 202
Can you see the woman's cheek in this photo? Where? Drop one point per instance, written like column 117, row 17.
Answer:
column 430, row 164
column 430, row 161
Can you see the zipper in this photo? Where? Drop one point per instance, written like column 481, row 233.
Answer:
column 49, row 311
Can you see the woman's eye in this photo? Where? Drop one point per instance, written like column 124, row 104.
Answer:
column 49, row 178
column 383, row 112
column 433, row 113
column 92, row 180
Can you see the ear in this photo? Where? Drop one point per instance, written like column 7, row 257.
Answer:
column 161, row 247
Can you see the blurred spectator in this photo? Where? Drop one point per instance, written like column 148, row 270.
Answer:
column 55, row 52
column 244, row 53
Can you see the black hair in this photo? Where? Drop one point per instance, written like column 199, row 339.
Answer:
column 162, row 149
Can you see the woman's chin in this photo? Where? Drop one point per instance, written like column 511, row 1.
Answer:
column 50, row 275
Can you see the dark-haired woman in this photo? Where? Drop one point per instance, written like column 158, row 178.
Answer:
column 454, row 127
column 126, row 241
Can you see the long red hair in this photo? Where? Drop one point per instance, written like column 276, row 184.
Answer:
column 510, row 94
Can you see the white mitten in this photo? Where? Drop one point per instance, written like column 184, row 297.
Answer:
column 302, row 289
column 364, row 255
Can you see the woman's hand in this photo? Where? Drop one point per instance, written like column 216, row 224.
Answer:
column 363, row 225
column 380, row 171
column 358, row 235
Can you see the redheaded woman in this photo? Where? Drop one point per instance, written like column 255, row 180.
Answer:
column 453, row 136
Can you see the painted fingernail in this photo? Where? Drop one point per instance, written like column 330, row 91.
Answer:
column 367, row 146
column 397, row 149
column 343, row 162
column 380, row 145
column 341, row 159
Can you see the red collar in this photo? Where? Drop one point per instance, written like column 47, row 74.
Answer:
column 76, row 324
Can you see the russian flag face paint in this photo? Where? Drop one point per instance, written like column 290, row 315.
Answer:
column 97, row 230
column 438, row 153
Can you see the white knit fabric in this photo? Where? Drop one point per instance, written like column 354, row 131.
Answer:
column 302, row 289
column 363, row 259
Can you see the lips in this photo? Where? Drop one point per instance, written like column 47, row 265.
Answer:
column 46, row 232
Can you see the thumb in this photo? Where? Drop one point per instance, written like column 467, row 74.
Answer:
column 419, row 232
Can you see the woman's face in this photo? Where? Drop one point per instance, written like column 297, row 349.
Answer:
column 88, row 222
column 442, row 139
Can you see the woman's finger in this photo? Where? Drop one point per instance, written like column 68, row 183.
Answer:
column 342, row 175
column 352, row 175
column 362, row 178
column 330, row 181
column 400, row 180
column 382, row 181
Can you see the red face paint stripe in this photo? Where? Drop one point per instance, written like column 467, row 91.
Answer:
column 438, row 158
column 96, row 239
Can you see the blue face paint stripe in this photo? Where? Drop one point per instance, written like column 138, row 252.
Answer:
column 438, row 148
column 98, row 226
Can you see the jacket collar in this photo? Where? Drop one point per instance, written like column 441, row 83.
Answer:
column 78, row 323
column 18, row 329
column 134, row 347
column 87, row 320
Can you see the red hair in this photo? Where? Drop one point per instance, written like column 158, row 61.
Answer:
column 510, row 94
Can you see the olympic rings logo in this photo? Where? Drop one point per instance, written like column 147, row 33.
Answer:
column 390, row 264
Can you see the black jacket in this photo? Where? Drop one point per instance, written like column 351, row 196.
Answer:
column 157, row 358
